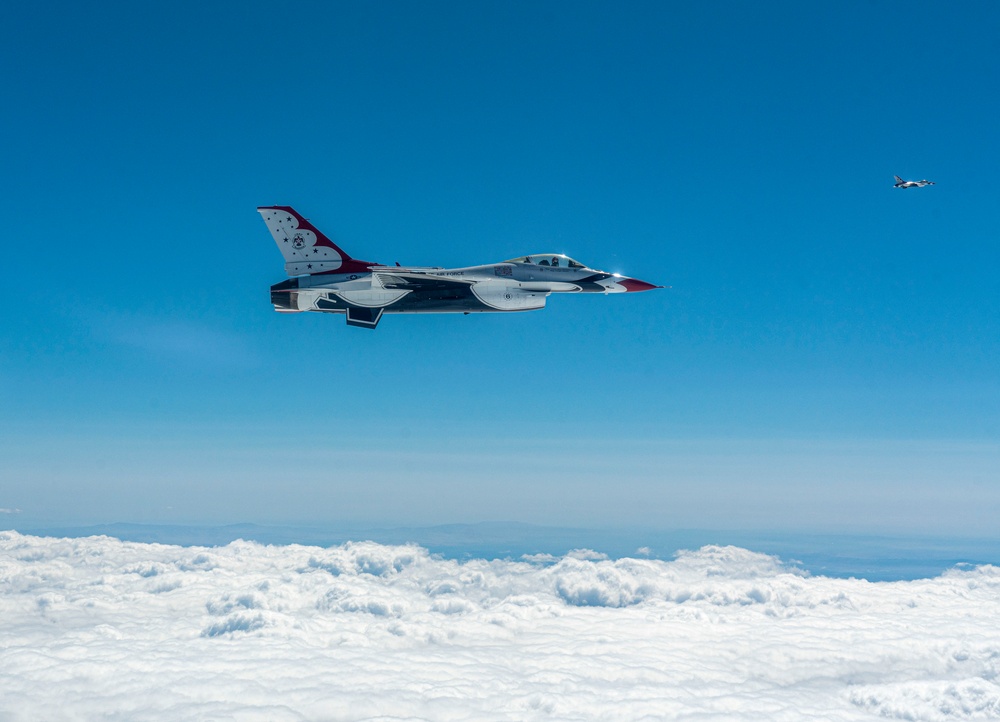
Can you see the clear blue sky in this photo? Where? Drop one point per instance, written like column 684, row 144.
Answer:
column 826, row 356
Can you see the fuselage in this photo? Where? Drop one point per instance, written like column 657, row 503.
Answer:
column 520, row 284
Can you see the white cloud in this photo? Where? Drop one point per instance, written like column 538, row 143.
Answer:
column 97, row 628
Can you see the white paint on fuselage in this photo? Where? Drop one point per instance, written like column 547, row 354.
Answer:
column 507, row 296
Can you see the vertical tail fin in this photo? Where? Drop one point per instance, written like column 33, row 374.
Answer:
column 305, row 249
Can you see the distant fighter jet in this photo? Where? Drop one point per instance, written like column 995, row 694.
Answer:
column 325, row 278
column 900, row 183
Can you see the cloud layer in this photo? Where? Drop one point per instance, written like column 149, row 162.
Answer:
column 96, row 628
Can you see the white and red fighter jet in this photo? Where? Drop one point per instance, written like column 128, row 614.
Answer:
column 325, row 278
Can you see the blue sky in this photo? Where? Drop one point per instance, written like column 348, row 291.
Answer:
column 825, row 356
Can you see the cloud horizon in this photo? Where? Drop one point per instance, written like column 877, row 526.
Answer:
column 98, row 627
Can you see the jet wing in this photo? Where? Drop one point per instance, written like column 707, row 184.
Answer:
column 424, row 285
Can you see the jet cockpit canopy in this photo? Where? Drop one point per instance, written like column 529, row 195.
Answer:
column 548, row 259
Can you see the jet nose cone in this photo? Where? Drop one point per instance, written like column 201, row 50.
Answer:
column 634, row 284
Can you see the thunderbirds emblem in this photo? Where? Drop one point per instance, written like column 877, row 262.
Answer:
column 298, row 241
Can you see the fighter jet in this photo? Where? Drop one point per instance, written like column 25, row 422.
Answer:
column 325, row 278
column 900, row 183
